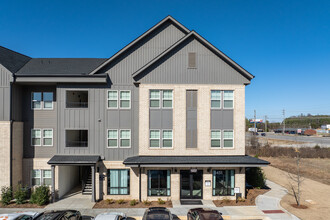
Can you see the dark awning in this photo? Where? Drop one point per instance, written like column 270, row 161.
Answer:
column 74, row 160
column 200, row 161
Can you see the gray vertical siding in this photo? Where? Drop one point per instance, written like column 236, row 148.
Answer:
column 173, row 68
column 5, row 79
column 191, row 119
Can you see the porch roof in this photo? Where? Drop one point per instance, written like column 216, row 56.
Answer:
column 195, row 161
column 74, row 159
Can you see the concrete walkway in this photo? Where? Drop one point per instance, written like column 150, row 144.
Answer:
column 269, row 203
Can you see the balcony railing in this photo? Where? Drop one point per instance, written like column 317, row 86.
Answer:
column 77, row 104
column 77, row 144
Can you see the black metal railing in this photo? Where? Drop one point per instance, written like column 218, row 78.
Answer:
column 77, row 104
column 76, row 143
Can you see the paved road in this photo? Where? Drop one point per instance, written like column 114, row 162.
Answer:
column 322, row 141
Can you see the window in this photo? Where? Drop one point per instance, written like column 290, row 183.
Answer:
column 36, row 137
column 118, row 182
column 223, row 182
column 215, row 138
column 112, row 99
column 191, row 60
column 42, row 100
column 154, row 138
column 125, row 138
column 41, row 177
column 47, row 137
column 215, row 99
column 125, row 99
column 228, row 138
column 76, row 99
column 161, row 98
column 167, row 138
column 228, row 99
column 112, row 138
column 154, row 98
column 76, row 138
column 159, row 182
column 167, row 98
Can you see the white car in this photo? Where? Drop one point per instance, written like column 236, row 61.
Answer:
column 19, row 216
column 110, row 216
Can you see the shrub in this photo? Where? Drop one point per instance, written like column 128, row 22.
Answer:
column 40, row 195
column 146, row 202
column 240, row 199
column 110, row 201
column 20, row 194
column 225, row 200
column 120, row 201
column 317, row 147
column 133, row 202
column 255, row 177
column 6, row 195
column 160, row 201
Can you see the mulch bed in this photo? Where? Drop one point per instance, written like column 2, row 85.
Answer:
column 105, row 204
column 249, row 201
column 25, row 205
column 299, row 207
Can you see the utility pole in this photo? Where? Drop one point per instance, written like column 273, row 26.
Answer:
column 283, row 121
column 265, row 123
column 255, row 122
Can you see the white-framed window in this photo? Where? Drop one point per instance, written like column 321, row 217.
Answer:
column 125, row 99
column 47, row 137
column 215, row 138
column 154, row 138
column 167, row 138
column 125, row 138
column 228, row 99
column 228, row 138
column 35, row 137
column 154, row 98
column 112, row 138
column 42, row 100
column 215, row 99
column 112, row 99
column 167, row 98
column 41, row 177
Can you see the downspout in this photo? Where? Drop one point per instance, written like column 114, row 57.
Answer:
column 140, row 184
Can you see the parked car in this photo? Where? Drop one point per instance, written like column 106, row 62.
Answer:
column 263, row 134
column 59, row 215
column 204, row 214
column 157, row 213
column 111, row 216
column 19, row 216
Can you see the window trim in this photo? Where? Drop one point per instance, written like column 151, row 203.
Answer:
column 130, row 139
column 228, row 139
column 107, row 135
column 213, row 179
column 42, row 137
column 215, row 139
column 160, row 99
column 148, row 185
column 41, row 177
column 159, row 130
column 230, row 99
column 130, row 99
column 128, row 182
column 162, row 146
column 216, row 99
column 43, row 102
column 107, row 100
column 78, row 90
column 166, row 99
column 76, row 129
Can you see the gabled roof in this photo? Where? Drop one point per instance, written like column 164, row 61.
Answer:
column 59, row 66
column 134, row 42
column 12, row 60
column 215, row 50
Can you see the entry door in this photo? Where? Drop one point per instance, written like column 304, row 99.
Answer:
column 191, row 184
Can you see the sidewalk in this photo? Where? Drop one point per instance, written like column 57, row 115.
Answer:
column 269, row 203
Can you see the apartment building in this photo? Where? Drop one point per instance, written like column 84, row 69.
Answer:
column 162, row 118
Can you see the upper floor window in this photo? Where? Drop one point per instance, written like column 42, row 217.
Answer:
column 215, row 99
column 76, row 99
column 42, row 137
column 161, row 98
column 215, row 138
column 113, row 99
column 125, row 138
column 76, row 138
column 228, row 138
column 125, row 99
column 42, row 100
column 156, row 136
column 228, row 99
column 112, row 138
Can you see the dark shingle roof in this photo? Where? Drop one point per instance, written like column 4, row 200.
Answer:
column 195, row 160
column 74, row 159
column 59, row 66
column 12, row 60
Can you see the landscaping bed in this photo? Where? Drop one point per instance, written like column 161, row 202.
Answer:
column 23, row 206
column 249, row 201
column 110, row 203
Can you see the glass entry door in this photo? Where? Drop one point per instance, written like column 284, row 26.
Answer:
column 191, row 184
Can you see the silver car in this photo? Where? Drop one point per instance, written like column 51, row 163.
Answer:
column 111, row 216
column 19, row 216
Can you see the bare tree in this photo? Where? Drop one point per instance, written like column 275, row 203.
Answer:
column 296, row 179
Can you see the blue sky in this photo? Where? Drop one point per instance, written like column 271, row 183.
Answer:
column 284, row 43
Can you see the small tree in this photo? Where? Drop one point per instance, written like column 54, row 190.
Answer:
column 6, row 195
column 20, row 194
column 296, row 179
column 40, row 195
